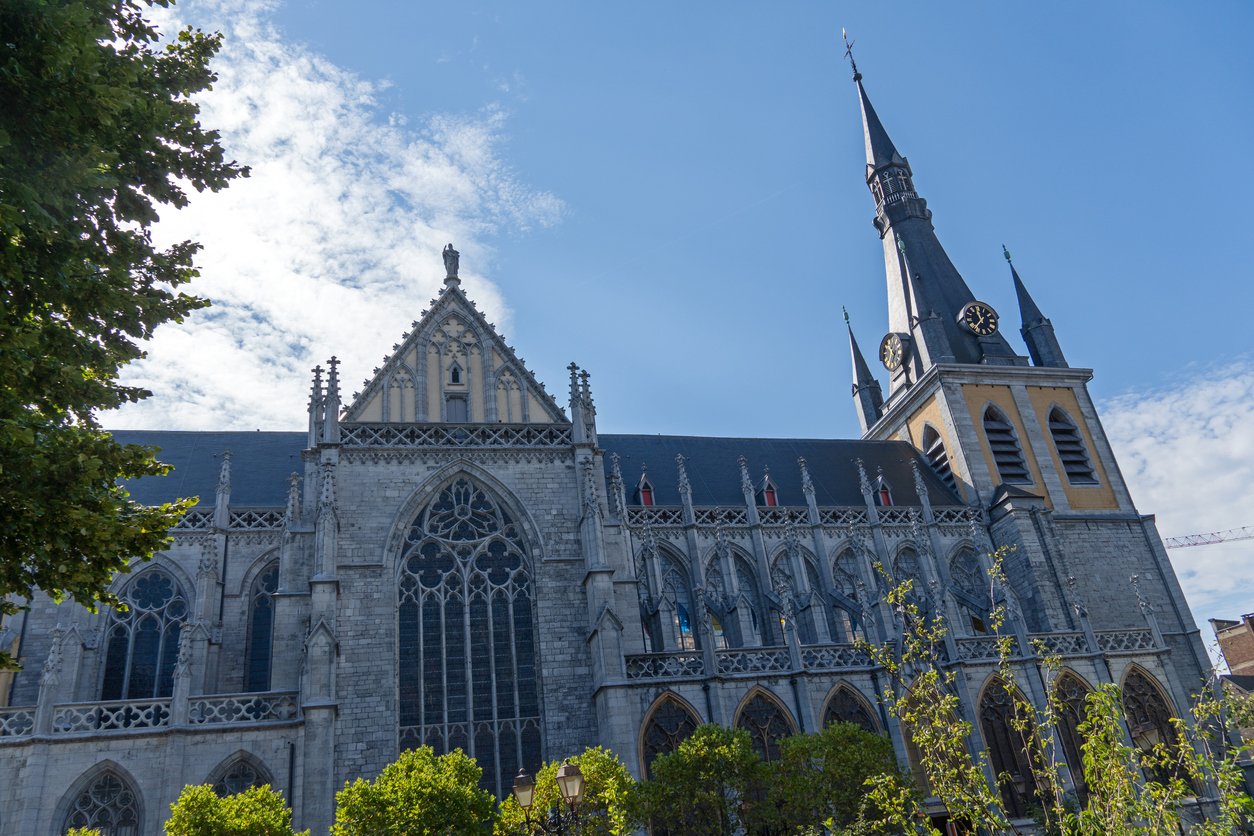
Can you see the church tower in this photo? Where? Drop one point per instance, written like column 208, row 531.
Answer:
column 1021, row 440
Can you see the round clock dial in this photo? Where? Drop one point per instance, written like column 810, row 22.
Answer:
column 892, row 351
column 979, row 318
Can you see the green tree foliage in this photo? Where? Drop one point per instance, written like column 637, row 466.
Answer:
column 97, row 131
column 258, row 811
column 605, row 808
column 82, row 831
column 822, row 777
column 419, row 794
column 713, row 784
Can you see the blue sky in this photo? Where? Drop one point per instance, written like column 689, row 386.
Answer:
column 672, row 195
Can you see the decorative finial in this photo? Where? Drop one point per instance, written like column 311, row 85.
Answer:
column 1005, row 252
column 845, row 311
column 857, row 76
column 451, row 260
column 685, row 487
column 807, row 485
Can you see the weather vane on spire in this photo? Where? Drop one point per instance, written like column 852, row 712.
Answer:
column 857, row 76
column 1005, row 252
column 845, row 311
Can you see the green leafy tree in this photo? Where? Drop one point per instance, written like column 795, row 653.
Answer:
column 257, row 811
column 821, row 778
column 419, row 794
column 82, row 831
column 714, row 783
column 98, row 131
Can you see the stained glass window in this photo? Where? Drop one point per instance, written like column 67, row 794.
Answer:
column 970, row 588
column 108, row 804
column 1006, row 747
column 241, row 775
column 670, row 724
column 847, row 707
column 767, row 724
column 142, row 643
column 261, row 629
column 467, row 642
column 1149, row 719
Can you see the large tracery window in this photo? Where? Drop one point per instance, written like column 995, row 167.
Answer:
column 261, row 629
column 108, row 804
column 467, row 643
column 143, row 642
column 1069, row 694
column 767, row 723
column 670, row 724
column 970, row 589
column 998, row 708
column 241, row 775
column 1149, row 721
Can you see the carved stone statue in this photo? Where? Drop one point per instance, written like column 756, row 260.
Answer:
column 451, row 257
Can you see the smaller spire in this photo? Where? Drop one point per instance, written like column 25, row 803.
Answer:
column 331, row 405
column 807, row 484
column 867, row 394
column 1037, row 330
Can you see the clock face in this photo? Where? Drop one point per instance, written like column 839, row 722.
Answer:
column 892, row 351
column 980, row 318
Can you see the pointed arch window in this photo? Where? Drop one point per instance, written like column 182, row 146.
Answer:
column 108, row 804
column 1069, row 694
column 261, row 629
column 768, row 494
column 676, row 604
column 455, row 374
column 669, row 724
column 767, row 723
column 1004, row 444
column 937, row 457
column 467, row 672
column 906, row 568
column 243, row 774
column 143, row 642
column 1006, row 746
column 1071, row 450
column 970, row 589
column 1149, row 720
column 845, row 706
column 845, row 576
column 751, row 598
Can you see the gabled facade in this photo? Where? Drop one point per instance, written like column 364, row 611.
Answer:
column 451, row 558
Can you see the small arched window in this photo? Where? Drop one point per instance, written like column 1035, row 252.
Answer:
column 768, row 494
column 1004, row 444
column 767, row 723
column 845, row 706
column 143, row 642
column 1071, row 450
column 261, row 629
column 644, row 490
column 108, row 804
column 243, row 774
column 883, row 493
column 669, row 724
column 455, row 374
column 934, row 452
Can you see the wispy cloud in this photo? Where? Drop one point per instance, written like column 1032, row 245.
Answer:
column 332, row 245
column 1187, row 451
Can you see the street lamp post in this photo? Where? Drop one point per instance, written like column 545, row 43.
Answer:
column 557, row 822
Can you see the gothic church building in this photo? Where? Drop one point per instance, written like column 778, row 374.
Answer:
column 454, row 558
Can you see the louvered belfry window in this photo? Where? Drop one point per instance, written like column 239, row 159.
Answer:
column 934, row 452
column 1071, row 451
column 1007, row 454
column 467, row 671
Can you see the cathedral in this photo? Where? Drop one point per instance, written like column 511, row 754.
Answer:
column 455, row 557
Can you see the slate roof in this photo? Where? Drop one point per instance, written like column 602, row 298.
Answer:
column 262, row 461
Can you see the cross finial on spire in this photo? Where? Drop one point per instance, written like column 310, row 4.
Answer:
column 857, row 76
column 1005, row 252
column 845, row 311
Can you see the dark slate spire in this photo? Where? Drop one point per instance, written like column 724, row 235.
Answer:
column 926, row 293
column 1037, row 330
column 867, row 395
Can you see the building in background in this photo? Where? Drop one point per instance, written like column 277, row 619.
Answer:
column 452, row 557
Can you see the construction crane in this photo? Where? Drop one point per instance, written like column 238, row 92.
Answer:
column 1207, row 539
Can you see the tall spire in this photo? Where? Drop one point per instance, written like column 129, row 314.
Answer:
column 928, row 300
column 867, row 395
column 1037, row 330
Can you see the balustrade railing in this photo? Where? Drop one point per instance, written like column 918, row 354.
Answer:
column 753, row 660
column 1060, row 644
column 833, row 657
column 16, row 722
column 110, row 716
column 662, row 665
column 655, row 515
column 455, row 435
column 1118, row 641
column 242, row 708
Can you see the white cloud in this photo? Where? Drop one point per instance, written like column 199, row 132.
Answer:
column 1187, row 452
column 332, row 245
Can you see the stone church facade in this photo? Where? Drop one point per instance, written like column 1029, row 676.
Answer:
column 452, row 557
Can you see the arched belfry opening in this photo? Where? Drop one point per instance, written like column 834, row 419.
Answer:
column 466, row 634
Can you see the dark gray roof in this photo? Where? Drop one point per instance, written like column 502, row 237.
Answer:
column 261, row 462
column 714, row 472
column 260, row 465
